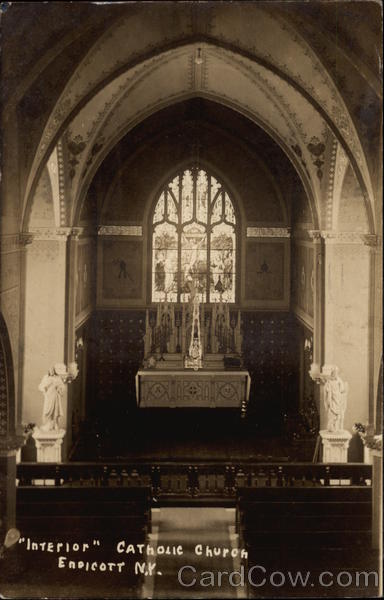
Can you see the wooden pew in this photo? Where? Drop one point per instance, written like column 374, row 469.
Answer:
column 82, row 515
column 318, row 516
column 319, row 528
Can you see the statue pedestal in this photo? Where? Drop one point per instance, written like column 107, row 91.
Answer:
column 48, row 444
column 335, row 446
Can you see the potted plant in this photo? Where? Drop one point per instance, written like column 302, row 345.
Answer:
column 369, row 440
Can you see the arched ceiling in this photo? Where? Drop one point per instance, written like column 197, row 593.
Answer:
column 173, row 76
column 216, row 137
column 253, row 60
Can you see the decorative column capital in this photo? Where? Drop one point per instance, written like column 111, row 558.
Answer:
column 315, row 234
column 77, row 232
column 371, row 240
column 25, row 239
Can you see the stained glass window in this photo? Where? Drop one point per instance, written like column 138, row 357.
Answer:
column 194, row 240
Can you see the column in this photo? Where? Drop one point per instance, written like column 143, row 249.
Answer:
column 46, row 316
column 342, row 333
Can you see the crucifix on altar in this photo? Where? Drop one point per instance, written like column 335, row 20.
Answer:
column 194, row 359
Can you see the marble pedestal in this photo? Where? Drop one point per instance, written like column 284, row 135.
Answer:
column 335, row 446
column 48, row 444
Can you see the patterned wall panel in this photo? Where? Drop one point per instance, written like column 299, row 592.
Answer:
column 265, row 274
column 120, row 272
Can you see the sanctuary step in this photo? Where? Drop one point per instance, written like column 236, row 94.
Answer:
column 181, row 434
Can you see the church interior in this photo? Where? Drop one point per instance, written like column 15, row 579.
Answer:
column 190, row 294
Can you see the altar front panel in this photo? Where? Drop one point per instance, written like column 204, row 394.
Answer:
column 189, row 389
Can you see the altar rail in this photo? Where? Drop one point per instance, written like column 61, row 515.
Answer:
column 197, row 480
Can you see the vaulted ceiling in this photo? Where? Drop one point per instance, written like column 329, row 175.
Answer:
column 290, row 70
column 197, row 130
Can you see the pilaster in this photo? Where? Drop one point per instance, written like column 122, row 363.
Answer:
column 342, row 326
column 46, row 313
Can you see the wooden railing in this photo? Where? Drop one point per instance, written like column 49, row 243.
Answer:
column 192, row 480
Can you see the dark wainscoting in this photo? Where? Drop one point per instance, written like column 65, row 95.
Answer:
column 270, row 351
column 115, row 353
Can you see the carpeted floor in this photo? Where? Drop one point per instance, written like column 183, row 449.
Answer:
column 194, row 528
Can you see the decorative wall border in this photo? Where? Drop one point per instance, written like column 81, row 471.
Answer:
column 328, row 217
column 130, row 230
column 53, row 233
column 344, row 237
column 9, row 243
column 269, row 232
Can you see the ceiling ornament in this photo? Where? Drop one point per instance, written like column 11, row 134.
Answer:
column 95, row 149
column 331, row 100
column 295, row 122
column 75, row 147
column 297, row 150
column 338, row 168
column 331, row 179
column 61, row 177
column 317, row 149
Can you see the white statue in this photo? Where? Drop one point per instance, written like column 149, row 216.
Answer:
column 53, row 385
column 335, row 400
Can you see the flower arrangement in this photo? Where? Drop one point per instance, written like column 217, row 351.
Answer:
column 303, row 424
column 28, row 428
column 374, row 442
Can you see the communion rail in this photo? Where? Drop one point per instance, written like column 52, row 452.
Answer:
column 193, row 481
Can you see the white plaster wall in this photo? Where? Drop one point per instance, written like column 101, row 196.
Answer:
column 44, row 321
column 347, row 335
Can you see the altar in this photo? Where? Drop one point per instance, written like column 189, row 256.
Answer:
column 192, row 357
column 193, row 389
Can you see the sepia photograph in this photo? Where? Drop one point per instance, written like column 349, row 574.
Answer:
column 191, row 378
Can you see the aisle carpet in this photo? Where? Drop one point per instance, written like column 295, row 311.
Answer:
column 190, row 527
